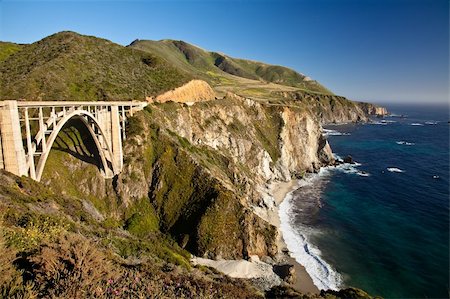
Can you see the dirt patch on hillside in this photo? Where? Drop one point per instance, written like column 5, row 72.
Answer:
column 193, row 91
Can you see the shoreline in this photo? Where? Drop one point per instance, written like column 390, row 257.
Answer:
column 303, row 281
column 260, row 271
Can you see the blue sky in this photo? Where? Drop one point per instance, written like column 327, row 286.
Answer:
column 380, row 51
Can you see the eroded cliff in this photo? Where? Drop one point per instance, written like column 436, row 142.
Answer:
column 203, row 171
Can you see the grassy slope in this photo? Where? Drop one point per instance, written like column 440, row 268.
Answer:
column 221, row 69
column 7, row 49
column 53, row 245
column 69, row 66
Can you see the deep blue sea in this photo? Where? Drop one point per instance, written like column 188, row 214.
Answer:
column 381, row 225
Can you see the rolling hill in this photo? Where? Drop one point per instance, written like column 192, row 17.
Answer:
column 221, row 70
column 70, row 66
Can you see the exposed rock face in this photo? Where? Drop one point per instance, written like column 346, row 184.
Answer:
column 204, row 168
column 349, row 159
column 372, row 109
column 332, row 108
column 193, row 91
column 286, row 272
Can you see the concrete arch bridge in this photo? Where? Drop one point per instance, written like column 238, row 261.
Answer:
column 29, row 129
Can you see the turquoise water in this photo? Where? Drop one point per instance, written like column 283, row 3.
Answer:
column 386, row 232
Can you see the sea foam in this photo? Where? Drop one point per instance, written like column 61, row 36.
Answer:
column 322, row 274
column 296, row 236
column 394, row 169
column 330, row 132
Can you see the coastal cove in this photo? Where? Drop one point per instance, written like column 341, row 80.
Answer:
column 161, row 169
column 256, row 269
column 380, row 224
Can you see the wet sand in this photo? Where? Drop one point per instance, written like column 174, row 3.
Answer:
column 303, row 281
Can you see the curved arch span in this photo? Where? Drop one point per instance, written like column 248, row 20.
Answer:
column 87, row 118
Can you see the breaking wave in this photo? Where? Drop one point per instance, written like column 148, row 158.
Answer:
column 404, row 142
column 329, row 132
column 297, row 241
column 394, row 169
column 297, row 235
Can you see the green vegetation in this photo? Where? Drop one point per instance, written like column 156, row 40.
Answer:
column 69, row 66
column 78, row 235
column 268, row 132
column 143, row 218
column 48, row 250
column 7, row 49
column 219, row 69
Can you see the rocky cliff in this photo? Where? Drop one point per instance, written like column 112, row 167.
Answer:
column 205, row 170
column 330, row 108
column 196, row 175
column 200, row 170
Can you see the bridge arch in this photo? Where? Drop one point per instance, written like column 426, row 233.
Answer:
column 92, row 125
column 105, row 122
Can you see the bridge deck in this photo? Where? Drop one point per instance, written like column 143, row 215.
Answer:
column 70, row 104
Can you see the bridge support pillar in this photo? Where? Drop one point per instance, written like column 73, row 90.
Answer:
column 13, row 153
column 116, row 139
column 2, row 165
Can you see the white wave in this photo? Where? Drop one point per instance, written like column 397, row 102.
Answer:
column 417, row 124
column 394, row 169
column 404, row 142
column 431, row 122
column 322, row 274
column 398, row 115
column 378, row 123
column 362, row 173
column 330, row 132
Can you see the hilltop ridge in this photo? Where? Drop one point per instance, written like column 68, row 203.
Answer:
column 220, row 69
column 70, row 66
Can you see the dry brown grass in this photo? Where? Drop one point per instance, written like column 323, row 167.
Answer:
column 11, row 281
column 70, row 267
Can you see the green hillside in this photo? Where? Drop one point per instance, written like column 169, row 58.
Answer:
column 7, row 49
column 70, row 66
column 219, row 69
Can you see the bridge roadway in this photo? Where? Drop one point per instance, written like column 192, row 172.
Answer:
column 27, row 156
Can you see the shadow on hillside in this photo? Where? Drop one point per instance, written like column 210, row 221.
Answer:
column 75, row 139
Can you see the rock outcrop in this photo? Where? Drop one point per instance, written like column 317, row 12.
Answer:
column 371, row 109
column 332, row 108
column 201, row 172
column 206, row 167
column 193, row 91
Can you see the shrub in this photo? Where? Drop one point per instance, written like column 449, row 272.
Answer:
column 72, row 267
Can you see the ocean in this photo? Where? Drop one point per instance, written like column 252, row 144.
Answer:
column 381, row 224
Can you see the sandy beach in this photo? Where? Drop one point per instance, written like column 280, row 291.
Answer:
column 303, row 281
column 256, row 269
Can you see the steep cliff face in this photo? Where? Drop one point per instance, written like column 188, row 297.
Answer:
column 331, row 108
column 201, row 172
column 372, row 109
column 205, row 168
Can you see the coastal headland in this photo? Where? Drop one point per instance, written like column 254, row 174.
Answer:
column 206, row 165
